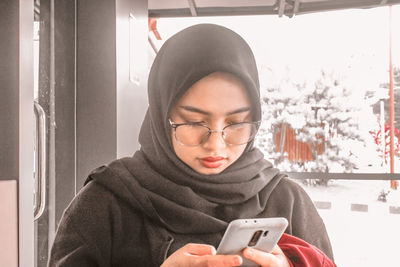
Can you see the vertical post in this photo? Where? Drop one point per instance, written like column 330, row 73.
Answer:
column 26, row 142
column 95, row 103
column 111, row 81
column 393, row 183
column 131, row 75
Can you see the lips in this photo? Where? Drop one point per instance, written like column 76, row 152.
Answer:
column 212, row 162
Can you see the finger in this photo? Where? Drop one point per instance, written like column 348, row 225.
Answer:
column 260, row 257
column 276, row 250
column 220, row 261
column 199, row 249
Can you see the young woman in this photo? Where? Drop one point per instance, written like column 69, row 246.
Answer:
column 196, row 171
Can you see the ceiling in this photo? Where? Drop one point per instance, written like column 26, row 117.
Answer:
column 189, row 8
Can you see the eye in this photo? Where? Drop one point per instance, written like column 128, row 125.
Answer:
column 235, row 122
column 236, row 119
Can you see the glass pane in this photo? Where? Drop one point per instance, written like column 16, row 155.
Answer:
column 323, row 87
column 362, row 219
column 36, row 29
column 41, row 225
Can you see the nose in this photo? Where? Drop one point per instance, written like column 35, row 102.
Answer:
column 215, row 141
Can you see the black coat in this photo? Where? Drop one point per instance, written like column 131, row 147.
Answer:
column 100, row 228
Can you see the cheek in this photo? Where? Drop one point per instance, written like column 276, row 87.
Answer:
column 175, row 145
column 236, row 152
column 182, row 152
column 186, row 154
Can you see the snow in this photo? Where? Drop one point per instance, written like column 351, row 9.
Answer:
column 366, row 239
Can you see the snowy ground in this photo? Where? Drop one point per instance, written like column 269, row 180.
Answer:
column 366, row 239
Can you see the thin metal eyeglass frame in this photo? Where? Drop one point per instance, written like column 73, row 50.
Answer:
column 210, row 131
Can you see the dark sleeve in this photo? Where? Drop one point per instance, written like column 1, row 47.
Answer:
column 289, row 200
column 83, row 236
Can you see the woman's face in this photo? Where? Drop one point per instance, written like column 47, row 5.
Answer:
column 216, row 101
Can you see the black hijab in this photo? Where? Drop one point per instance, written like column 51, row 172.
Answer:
column 164, row 187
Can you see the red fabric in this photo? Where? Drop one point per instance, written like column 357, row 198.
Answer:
column 302, row 254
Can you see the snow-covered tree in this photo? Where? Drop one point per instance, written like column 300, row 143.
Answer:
column 322, row 114
column 385, row 87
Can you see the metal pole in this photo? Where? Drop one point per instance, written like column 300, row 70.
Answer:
column 393, row 183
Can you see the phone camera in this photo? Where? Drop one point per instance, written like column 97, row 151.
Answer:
column 254, row 239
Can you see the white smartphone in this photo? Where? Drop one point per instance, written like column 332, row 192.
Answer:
column 259, row 233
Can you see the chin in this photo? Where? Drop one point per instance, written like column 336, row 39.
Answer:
column 210, row 171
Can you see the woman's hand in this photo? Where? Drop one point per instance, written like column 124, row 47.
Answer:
column 199, row 255
column 276, row 258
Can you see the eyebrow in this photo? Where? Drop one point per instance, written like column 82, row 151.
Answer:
column 197, row 110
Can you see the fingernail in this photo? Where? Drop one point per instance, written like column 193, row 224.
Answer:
column 213, row 251
column 249, row 251
column 237, row 260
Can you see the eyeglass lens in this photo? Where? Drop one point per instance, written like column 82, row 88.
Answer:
column 235, row 134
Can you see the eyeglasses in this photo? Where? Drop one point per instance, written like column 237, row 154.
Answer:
column 195, row 134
